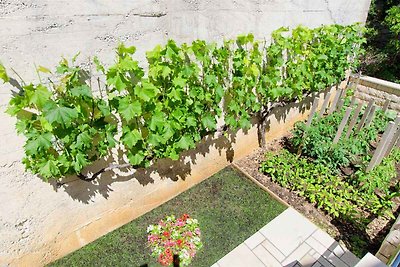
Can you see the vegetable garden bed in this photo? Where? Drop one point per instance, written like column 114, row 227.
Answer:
column 328, row 183
column 228, row 206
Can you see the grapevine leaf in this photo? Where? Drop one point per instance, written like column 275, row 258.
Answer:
column 80, row 162
column 128, row 109
column 185, row 142
column 60, row 114
column 38, row 96
column 179, row 82
column 131, row 138
column 83, row 139
column 83, row 90
column 41, row 142
column 147, row 91
column 157, row 121
column 209, row 122
column 49, row 169
column 136, row 156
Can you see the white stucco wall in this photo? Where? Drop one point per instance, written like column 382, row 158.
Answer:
column 36, row 220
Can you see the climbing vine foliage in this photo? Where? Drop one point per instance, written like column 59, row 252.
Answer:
column 71, row 119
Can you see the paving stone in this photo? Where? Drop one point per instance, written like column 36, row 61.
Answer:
column 254, row 240
column 267, row 258
column 307, row 260
column 370, row 260
column 316, row 245
column 317, row 264
column 292, row 226
column 349, row 258
column 273, row 250
column 334, row 260
column 339, row 251
column 324, row 262
column 215, row 265
column 298, row 254
column 325, row 239
column 239, row 257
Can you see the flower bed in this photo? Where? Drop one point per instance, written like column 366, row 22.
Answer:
column 328, row 182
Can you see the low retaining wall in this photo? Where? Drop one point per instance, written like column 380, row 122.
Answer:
column 380, row 90
column 390, row 245
column 55, row 221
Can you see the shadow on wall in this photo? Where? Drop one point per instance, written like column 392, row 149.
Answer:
column 84, row 191
column 166, row 168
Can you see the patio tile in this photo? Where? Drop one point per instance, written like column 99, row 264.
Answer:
column 239, row 257
column 266, row 257
column 273, row 250
column 288, row 231
column 349, row 258
column 307, row 260
column 298, row 254
column 215, row 265
column 334, row 260
column 325, row 239
column 254, row 240
column 317, row 246
column 370, row 260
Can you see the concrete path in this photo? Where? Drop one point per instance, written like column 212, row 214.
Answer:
column 289, row 240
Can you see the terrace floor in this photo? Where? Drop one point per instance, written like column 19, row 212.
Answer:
column 289, row 240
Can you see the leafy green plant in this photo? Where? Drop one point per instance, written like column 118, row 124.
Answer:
column 316, row 141
column 66, row 126
column 168, row 109
column 321, row 186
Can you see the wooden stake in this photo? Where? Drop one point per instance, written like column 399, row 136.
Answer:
column 380, row 150
column 313, row 109
column 335, row 101
column 395, row 137
column 364, row 117
column 386, row 105
column 325, row 104
column 370, row 116
column 342, row 125
column 354, row 119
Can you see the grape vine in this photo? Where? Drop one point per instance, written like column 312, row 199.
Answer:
column 70, row 120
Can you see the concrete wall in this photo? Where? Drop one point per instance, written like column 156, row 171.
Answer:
column 372, row 88
column 38, row 221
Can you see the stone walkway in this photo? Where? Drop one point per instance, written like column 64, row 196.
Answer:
column 289, row 240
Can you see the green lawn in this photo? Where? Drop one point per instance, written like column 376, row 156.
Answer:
column 229, row 207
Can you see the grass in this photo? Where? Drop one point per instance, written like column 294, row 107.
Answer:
column 229, row 207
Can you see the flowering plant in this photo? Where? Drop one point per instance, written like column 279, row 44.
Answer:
column 173, row 236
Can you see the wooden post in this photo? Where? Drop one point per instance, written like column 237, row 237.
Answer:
column 364, row 117
column 342, row 125
column 354, row 119
column 335, row 101
column 325, row 104
column 380, row 150
column 370, row 116
column 353, row 101
column 386, row 105
column 313, row 109
column 339, row 104
column 395, row 137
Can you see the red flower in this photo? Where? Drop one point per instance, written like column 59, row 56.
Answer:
column 179, row 242
column 166, row 234
column 185, row 217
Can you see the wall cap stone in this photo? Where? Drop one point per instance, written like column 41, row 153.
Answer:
column 379, row 84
